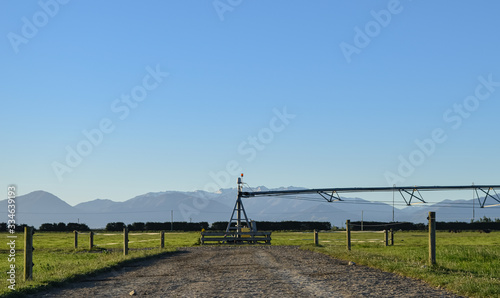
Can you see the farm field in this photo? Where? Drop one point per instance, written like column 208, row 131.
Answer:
column 468, row 263
column 57, row 261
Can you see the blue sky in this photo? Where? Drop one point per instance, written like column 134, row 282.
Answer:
column 275, row 72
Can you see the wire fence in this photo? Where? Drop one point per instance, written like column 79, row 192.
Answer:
column 339, row 238
column 124, row 240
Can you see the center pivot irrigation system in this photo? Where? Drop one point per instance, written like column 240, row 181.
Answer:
column 409, row 193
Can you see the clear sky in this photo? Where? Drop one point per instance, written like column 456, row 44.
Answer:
column 113, row 99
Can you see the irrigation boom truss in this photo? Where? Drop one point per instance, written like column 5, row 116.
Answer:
column 408, row 193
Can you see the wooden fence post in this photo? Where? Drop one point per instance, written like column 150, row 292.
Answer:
column 432, row 238
column 28, row 253
column 392, row 237
column 125, row 241
column 316, row 237
column 162, row 239
column 386, row 237
column 76, row 239
column 91, row 240
column 348, row 233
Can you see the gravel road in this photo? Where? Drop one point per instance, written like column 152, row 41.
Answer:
column 245, row 271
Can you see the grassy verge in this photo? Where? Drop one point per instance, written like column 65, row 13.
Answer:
column 468, row 263
column 56, row 260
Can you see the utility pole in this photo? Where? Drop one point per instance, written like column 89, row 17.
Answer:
column 171, row 220
column 473, row 204
column 361, row 220
column 394, row 187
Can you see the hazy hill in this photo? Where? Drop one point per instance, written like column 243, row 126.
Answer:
column 97, row 204
column 37, row 206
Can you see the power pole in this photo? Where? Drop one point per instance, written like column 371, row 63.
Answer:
column 473, row 204
column 171, row 220
column 394, row 186
column 361, row 220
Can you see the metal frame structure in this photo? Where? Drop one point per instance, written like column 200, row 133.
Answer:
column 239, row 210
column 333, row 194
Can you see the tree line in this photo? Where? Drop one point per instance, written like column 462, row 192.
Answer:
column 480, row 224
column 158, row 226
column 52, row 227
column 62, row 227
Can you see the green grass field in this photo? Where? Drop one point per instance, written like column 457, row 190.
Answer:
column 468, row 263
column 56, row 261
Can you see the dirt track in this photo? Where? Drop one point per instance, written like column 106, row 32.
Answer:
column 270, row 271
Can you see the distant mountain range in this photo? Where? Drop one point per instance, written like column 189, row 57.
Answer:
column 42, row 207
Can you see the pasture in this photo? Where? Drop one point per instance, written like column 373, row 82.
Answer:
column 57, row 261
column 468, row 263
